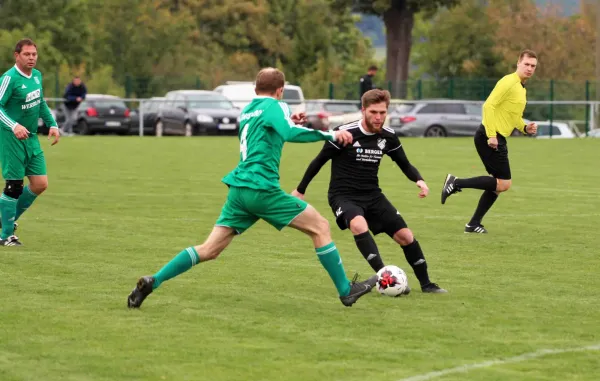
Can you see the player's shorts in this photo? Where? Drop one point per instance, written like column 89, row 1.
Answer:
column 378, row 211
column 245, row 206
column 19, row 160
column 495, row 160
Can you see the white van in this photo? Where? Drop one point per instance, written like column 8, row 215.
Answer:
column 241, row 93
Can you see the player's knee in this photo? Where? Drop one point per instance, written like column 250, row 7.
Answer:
column 13, row 188
column 503, row 185
column 404, row 237
column 39, row 186
column 208, row 252
column 358, row 225
column 322, row 226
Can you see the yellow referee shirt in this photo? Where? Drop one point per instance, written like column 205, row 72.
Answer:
column 503, row 109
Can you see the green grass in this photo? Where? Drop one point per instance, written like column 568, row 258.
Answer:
column 118, row 208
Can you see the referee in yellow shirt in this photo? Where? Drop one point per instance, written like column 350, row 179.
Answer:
column 502, row 113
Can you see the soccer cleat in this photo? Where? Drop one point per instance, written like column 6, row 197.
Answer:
column 433, row 288
column 142, row 289
column 478, row 229
column 13, row 240
column 358, row 289
column 449, row 187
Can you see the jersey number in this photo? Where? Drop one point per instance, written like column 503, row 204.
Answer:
column 243, row 143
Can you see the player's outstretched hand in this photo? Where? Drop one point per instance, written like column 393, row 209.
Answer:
column 531, row 128
column 424, row 189
column 21, row 132
column 54, row 132
column 299, row 118
column 297, row 194
column 343, row 137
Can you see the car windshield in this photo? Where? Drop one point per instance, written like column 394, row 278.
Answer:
column 108, row 103
column 291, row 96
column 212, row 101
column 403, row 108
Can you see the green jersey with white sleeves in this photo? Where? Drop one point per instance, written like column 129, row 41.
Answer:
column 22, row 101
column 265, row 124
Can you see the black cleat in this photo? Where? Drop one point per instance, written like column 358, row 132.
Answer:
column 433, row 288
column 449, row 187
column 142, row 289
column 13, row 240
column 477, row 229
column 358, row 289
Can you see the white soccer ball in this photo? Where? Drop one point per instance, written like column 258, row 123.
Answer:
column 391, row 281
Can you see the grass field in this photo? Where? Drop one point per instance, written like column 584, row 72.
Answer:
column 118, row 208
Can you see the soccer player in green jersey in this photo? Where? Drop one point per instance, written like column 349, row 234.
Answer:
column 21, row 105
column 502, row 113
column 255, row 193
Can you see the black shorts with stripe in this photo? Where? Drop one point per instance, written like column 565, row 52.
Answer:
column 378, row 211
column 495, row 160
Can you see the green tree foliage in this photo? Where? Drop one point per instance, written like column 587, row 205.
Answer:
column 399, row 18
column 457, row 43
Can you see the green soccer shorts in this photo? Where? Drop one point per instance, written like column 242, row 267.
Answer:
column 245, row 206
column 17, row 162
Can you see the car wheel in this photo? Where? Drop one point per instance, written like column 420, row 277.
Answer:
column 189, row 129
column 435, row 132
column 158, row 128
column 83, row 128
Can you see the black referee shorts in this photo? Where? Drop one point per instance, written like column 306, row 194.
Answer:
column 378, row 211
column 495, row 160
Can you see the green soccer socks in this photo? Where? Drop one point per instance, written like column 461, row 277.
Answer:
column 178, row 265
column 331, row 260
column 25, row 200
column 8, row 208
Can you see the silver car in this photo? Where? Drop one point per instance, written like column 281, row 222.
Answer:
column 436, row 118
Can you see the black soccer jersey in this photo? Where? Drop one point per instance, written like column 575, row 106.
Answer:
column 355, row 167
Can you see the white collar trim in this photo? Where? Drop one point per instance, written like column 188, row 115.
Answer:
column 23, row 74
column 360, row 125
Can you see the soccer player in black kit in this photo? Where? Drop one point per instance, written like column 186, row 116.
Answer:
column 354, row 194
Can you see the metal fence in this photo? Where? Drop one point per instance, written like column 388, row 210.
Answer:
column 580, row 112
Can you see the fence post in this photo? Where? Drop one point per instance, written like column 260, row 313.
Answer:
column 451, row 89
column 141, row 116
column 419, row 89
column 331, row 90
column 198, row 84
column 587, row 108
column 127, row 86
column 551, row 105
column 57, row 87
column 390, row 88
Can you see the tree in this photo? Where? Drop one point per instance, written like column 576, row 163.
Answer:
column 398, row 17
column 458, row 43
column 68, row 29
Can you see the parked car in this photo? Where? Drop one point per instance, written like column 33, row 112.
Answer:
column 150, row 111
column 560, row 130
column 197, row 112
column 319, row 111
column 436, row 118
column 99, row 113
column 242, row 93
column 42, row 128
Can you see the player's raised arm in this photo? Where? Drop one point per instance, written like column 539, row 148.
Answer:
column 329, row 150
column 281, row 122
